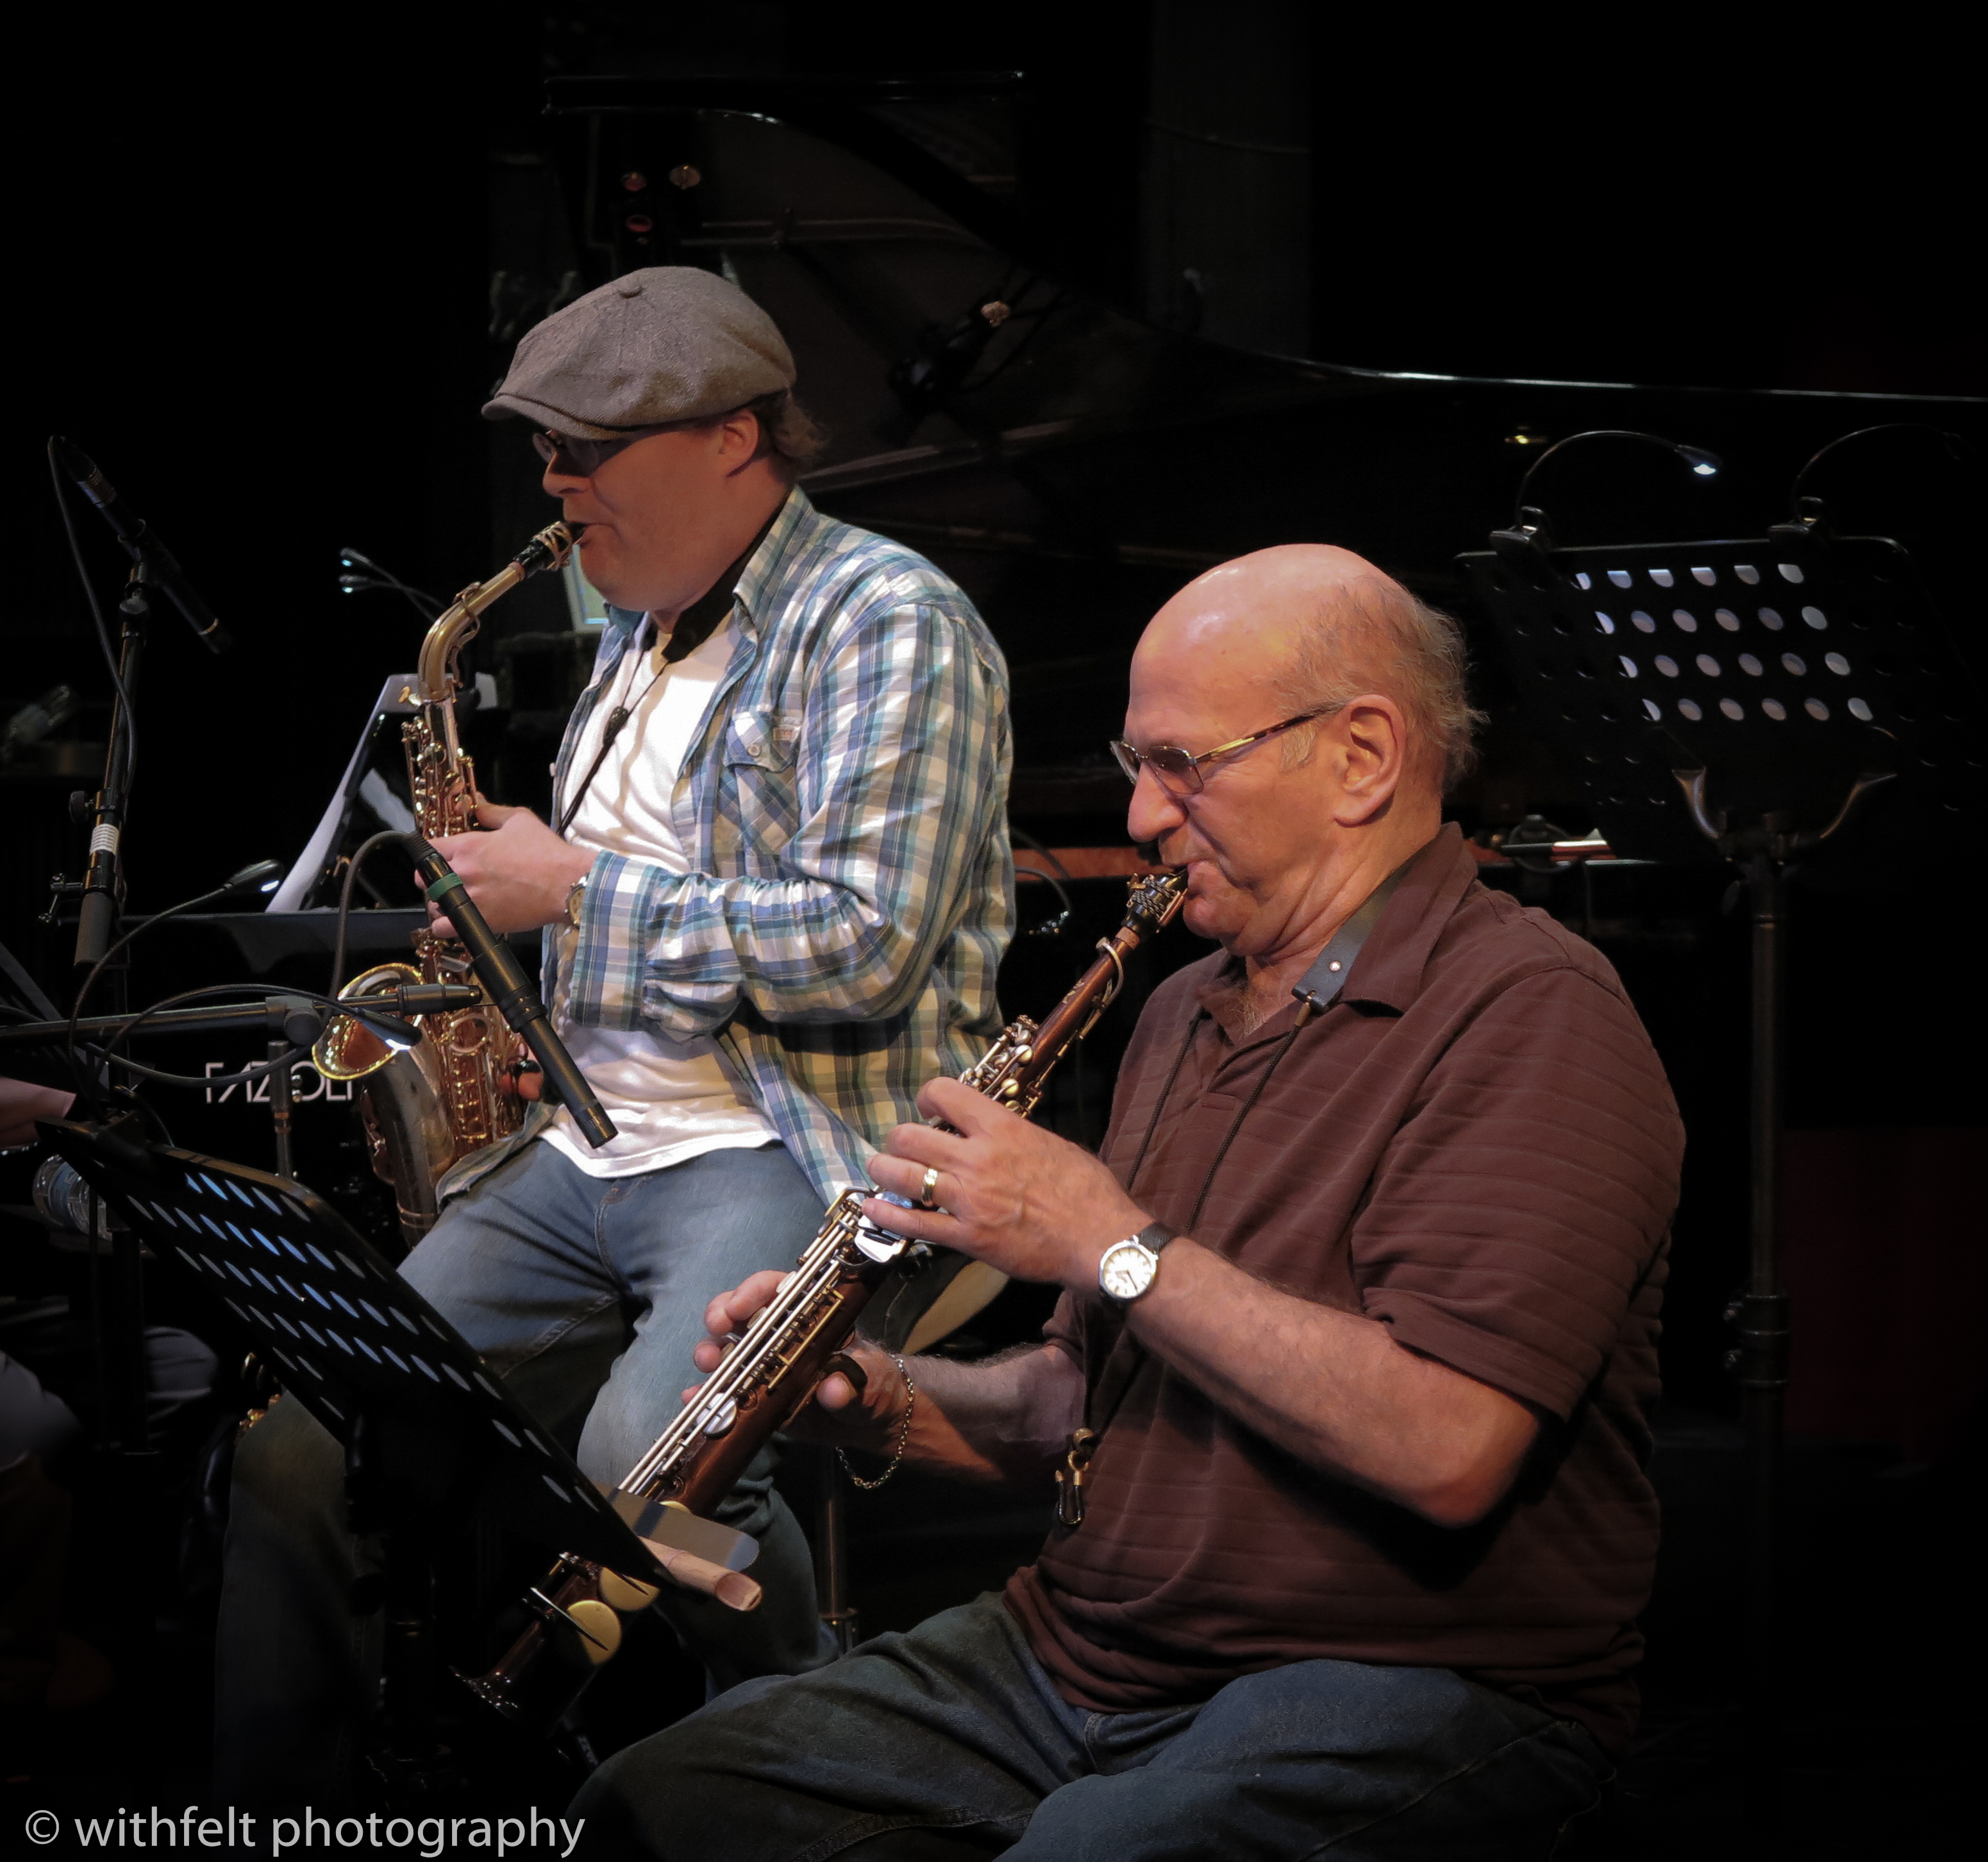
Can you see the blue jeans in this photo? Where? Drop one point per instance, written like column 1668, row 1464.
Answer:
column 586, row 1296
column 951, row 1742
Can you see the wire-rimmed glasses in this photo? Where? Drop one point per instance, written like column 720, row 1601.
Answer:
column 1178, row 771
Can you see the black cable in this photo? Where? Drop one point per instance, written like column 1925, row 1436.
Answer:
column 345, row 902
column 1160, row 1104
column 123, row 1032
column 1049, row 927
column 1956, row 448
column 289, row 1057
column 260, row 870
column 69, row 1047
column 129, row 723
column 1235, row 1125
column 426, row 605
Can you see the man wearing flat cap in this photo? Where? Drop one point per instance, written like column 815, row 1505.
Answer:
column 774, row 891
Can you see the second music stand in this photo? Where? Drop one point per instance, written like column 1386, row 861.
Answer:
column 430, row 1435
column 1767, row 683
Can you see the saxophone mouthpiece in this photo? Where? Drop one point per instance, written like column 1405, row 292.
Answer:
column 550, row 548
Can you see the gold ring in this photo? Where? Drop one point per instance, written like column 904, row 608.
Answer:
column 928, row 1191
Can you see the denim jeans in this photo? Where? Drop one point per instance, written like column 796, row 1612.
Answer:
column 586, row 1296
column 951, row 1743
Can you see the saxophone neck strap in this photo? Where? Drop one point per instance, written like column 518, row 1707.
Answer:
column 1320, row 987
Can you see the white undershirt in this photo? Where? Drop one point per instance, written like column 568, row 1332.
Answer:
column 671, row 1100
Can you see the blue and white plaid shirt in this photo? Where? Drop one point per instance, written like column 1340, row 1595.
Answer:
column 844, row 805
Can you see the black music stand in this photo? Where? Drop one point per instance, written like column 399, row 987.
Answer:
column 429, row 1434
column 1769, row 683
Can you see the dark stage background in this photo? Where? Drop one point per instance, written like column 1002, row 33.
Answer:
column 257, row 276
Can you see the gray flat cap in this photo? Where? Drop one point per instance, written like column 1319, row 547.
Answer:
column 669, row 343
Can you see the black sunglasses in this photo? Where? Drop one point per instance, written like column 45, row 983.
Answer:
column 572, row 457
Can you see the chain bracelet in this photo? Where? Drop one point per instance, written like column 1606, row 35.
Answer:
column 904, row 1435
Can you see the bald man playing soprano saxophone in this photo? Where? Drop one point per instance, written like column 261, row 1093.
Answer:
column 1344, row 1398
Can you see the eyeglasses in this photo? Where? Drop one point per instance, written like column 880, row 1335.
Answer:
column 572, row 457
column 1179, row 773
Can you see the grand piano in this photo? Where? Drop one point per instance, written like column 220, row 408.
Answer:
column 1071, row 465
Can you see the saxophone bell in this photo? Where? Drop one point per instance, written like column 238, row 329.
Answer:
column 349, row 1049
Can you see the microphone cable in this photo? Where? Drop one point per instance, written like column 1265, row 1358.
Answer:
column 86, row 1079
column 255, row 1072
column 345, row 901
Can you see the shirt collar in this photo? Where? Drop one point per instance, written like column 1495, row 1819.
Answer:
column 778, row 552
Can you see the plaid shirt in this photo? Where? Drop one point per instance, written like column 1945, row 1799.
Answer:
column 843, row 807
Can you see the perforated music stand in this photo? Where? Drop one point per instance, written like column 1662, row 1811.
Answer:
column 1767, row 684
column 429, row 1434
column 1783, row 667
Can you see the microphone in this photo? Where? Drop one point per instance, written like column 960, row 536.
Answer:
column 511, row 989
column 153, row 556
column 425, row 998
column 389, row 1013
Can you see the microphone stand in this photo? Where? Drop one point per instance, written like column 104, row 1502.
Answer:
column 153, row 565
column 102, row 885
column 122, row 1327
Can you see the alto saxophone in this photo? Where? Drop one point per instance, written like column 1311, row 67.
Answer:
column 768, row 1376
column 457, row 1091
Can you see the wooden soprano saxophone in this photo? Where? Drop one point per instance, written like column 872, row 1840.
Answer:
column 771, row 1372
column 456, row 1093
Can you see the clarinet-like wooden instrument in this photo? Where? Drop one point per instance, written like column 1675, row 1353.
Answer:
column 773, row 1369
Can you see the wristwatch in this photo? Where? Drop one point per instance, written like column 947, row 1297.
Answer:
column 576, row 896
column 1128, row 1268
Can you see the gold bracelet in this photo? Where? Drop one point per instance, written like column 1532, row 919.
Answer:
column 904, row 1435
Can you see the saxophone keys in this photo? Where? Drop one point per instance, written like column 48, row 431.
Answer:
column 626, row 1595
column 592, row 1631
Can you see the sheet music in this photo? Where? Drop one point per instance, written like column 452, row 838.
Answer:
column 297, row 882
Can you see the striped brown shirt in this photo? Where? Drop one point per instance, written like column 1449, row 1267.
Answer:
column 1476, row 1145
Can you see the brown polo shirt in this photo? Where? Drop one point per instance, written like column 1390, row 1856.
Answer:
column 1476, row 1145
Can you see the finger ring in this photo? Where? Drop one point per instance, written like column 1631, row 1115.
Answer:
column 928, row 1191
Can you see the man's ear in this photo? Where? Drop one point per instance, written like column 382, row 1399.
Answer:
column 1370, row 745
column 739, row 438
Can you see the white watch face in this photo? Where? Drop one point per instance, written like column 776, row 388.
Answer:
column 1128, row 1269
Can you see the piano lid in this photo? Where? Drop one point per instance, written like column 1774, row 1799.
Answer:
column 1071, row 464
